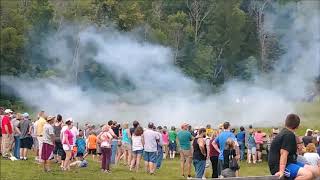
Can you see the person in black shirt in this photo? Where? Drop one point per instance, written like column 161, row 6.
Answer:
column 283, row 153
column 200, row 153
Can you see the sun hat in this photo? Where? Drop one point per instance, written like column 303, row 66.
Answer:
column 49, row 118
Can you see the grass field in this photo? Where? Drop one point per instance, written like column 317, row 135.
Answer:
column 310, row 115
column 169, row 170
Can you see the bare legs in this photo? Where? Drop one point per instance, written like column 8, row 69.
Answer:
column 66, row 164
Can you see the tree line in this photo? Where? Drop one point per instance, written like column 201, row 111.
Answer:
column 213, row 41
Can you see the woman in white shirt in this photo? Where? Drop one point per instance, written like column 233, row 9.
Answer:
column 105, row 138
column 311, row 155
column 137, row 148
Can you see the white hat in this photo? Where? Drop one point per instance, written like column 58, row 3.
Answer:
column 69, row 119
column 8, row 111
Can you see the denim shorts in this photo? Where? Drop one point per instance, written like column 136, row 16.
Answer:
column 150, row 156
column 137, row 152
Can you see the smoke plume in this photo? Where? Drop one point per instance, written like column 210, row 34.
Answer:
column 160, row 92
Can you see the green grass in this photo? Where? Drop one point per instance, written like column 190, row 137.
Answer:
column 310, row 115
column 169, row 170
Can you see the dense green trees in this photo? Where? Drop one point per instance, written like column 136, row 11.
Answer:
column 212, row 40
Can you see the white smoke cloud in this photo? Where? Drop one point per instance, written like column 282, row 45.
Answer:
column 162, row 93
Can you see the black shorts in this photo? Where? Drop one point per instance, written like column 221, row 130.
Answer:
column 58, row 148
column 92, row 151
column 26, row 142
column 79, row 154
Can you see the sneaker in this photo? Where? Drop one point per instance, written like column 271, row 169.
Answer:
column 25, row 158
column 189, row 177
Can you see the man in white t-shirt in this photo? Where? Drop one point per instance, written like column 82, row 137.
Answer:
column 151, row 138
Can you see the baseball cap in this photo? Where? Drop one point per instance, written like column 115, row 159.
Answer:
column 25, row 114
column 8, row 111
column 69, row 119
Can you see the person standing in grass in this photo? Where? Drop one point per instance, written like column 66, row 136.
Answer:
column 16, row 135
column 200, row 153
column 126, row 143
column 92, row 144
column 58, row 150
column 172, row 142
column 7, row 131
column 165, row 138
column 258, row 137
column 283, row 154
column 214, row 155
column 241, row 136
column 184, row 138
column 25, row 131
column 105, row 138
column 137, row 148
column 67, row 143
column 220, row 143
column 39, row 131
column 48, row 143
column 159, row 147
column 252, row 149
column 81, row 146
column 151, row 139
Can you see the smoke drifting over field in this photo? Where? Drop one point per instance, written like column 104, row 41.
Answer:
column 162, row 93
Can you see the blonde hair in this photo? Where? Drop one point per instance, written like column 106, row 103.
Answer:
column 125, row 125
column 311, row 148
column 19, row 116
column 230, row 144
column 105, row 128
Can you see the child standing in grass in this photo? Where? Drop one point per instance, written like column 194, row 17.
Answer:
column 137, row 148
column 92, row 145
column 81, row 145
column 252, row 149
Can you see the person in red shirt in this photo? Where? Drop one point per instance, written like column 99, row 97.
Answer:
column 6, row 130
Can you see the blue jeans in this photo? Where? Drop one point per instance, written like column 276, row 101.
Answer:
column 159, row 157
column 220, row 166
column 200, row 166
column 16, row 151
column 114, row 147
column 242, row 149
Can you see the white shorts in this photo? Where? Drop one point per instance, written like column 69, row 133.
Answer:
column 66, row 147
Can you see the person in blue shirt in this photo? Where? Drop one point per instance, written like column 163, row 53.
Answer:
column 81, row 145
column 241, row 136
column 219, row 144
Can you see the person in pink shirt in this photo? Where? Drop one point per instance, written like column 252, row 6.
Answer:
column 258, row 137
column 67, row 144
column 165, row 140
